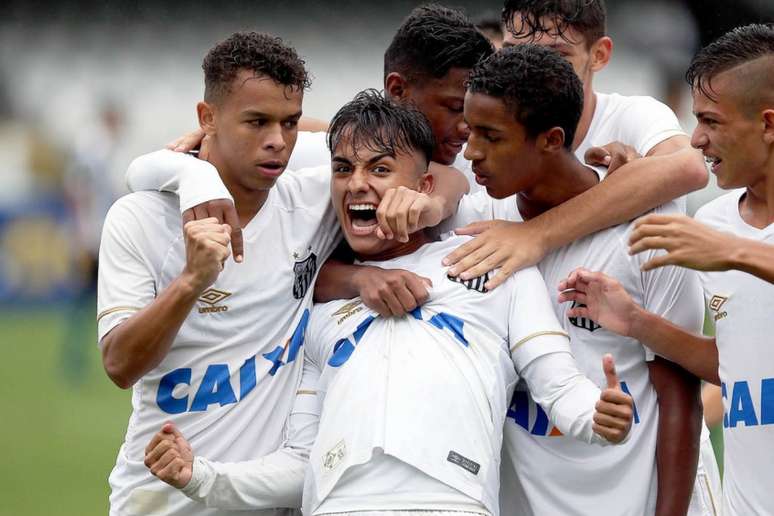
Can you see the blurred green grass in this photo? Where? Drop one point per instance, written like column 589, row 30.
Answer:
column 62, row 419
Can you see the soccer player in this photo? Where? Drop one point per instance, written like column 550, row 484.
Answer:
column 733, row 101
column 669, row 167
column 523, row 105
column 413, row 407
column 205, row 343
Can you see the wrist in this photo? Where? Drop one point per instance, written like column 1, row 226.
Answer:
column 190, row 285
column 641, row 320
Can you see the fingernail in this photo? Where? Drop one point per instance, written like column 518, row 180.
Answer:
column 239, row 258
column 452, row 271
column 445, row 262
column 465, row 276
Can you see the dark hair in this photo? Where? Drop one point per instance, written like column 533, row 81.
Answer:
column 256, row 52
column 739, row 46
column 536, row 84
column 432, row 40
column 489, row 22
column 374, row 122
column 588, row 17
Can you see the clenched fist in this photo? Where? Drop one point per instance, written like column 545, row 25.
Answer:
column 207, row 246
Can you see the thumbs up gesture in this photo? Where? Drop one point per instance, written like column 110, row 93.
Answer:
column 169, row 456
column 613, row 414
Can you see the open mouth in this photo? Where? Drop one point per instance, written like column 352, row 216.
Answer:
column 363, row 218
column 271, row 168
column 713, row 162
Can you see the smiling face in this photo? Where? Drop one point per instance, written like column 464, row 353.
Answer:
column 253, row 129
column 361, row 177
column 441, row 101
column 730, row 133
column 505, row 161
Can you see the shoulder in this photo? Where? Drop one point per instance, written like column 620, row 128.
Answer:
column 143, row 208
column 305, row 188
column 311, row 150
column 715, row 212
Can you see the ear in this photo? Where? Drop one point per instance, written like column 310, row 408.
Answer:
column 601, row 52
column 396, row 86
column 551, row 140
column 427, row 184
column 768, row 126
column 206, row 114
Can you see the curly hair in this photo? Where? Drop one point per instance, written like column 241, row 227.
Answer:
column 739, row 46
column 588, row 17
column 432, row 40
column 257, row 52
column 537, row 85
column 371, row 121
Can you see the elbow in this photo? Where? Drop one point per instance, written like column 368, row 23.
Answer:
column 115, row 369
column 694, row 173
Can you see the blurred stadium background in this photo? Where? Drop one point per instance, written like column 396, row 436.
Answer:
column 85, row 86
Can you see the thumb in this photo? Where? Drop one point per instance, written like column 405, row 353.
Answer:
column 427, row 281
column 608, row 366
column 474, row 228
column 597, row 156
column 170, row 428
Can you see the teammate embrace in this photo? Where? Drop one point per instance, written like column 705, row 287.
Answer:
column 428, row 352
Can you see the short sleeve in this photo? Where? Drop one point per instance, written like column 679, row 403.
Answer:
column 311, row 150
column 126, row 281
column 646, row 122
column 479, row 206
column 531, row 317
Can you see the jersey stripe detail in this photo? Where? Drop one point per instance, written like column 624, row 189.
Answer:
column 117, row 309
column 538, row 334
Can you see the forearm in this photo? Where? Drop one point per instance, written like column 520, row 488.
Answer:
column 140, row 343
column 337, row 280
column 679, row 430
column 567, row 396
column 696, row 354
column 449, row 185
column 273, row 481
column 632, row 190
column 753, row 257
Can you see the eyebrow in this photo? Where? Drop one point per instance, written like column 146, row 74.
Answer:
column 254, row 113
column 341, row 159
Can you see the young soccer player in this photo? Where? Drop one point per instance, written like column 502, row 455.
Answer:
column 203, row 342
column 413, row 407
column 734, row 104
column 523, row 106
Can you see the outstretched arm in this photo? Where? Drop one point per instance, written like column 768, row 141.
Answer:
column 671, row 170
column 612, row 307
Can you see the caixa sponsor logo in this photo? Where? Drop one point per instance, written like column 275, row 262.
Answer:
column 215, row 386
column 743, row 409
column 522, row 406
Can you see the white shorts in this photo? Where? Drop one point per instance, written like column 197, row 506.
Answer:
column 707, row 496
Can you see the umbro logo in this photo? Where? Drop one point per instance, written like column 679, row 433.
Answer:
column 582, row 322
column 348, row 310
column 477, row 284
column 212, row 297
column 716, row 304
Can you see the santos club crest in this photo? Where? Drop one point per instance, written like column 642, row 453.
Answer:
column 304, row 270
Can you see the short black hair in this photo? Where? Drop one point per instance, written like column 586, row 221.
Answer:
column 432, row 40
column 588, row 17
column 738, row 46
column 372, row 121
column 262, row 54
column 536, row 84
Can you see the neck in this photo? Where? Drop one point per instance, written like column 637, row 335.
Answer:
column 563, row 178
column 589, row 106
column 416, row 241
column 757, row 206
column 247, row 202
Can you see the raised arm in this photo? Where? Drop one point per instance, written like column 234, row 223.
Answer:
column 272, row 481
column 670, row 170
column 140, row 342
column 610, row 306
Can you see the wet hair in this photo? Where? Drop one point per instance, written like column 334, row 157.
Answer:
column 537, row 85
column 371, row 121
column 259, row 53
column 587, row 17
column 739, row 46
column 431, row 41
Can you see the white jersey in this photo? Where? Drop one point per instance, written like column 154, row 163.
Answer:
column 741, row 305
column 311, row 150
column 419, row 402
column 230, row 376
column 535, row 452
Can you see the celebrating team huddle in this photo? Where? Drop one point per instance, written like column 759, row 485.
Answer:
column 446, row 301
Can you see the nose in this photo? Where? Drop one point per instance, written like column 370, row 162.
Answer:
column 699, row 138
column 463, row 131
column 275, row 140
column 358, row 182
column 472, row 150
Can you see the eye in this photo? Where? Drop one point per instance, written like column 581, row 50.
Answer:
column 290, row 124
column 455, row 109
column 258, row 122
column 380, row 169
column 341, row 169
column 491, row 139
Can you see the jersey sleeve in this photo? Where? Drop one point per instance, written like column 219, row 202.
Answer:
column 648, row 122
column 533, row 329
column 479, row 206
column 273, row 481
column 194, row 180
column 311, row 150
column 126, row 280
